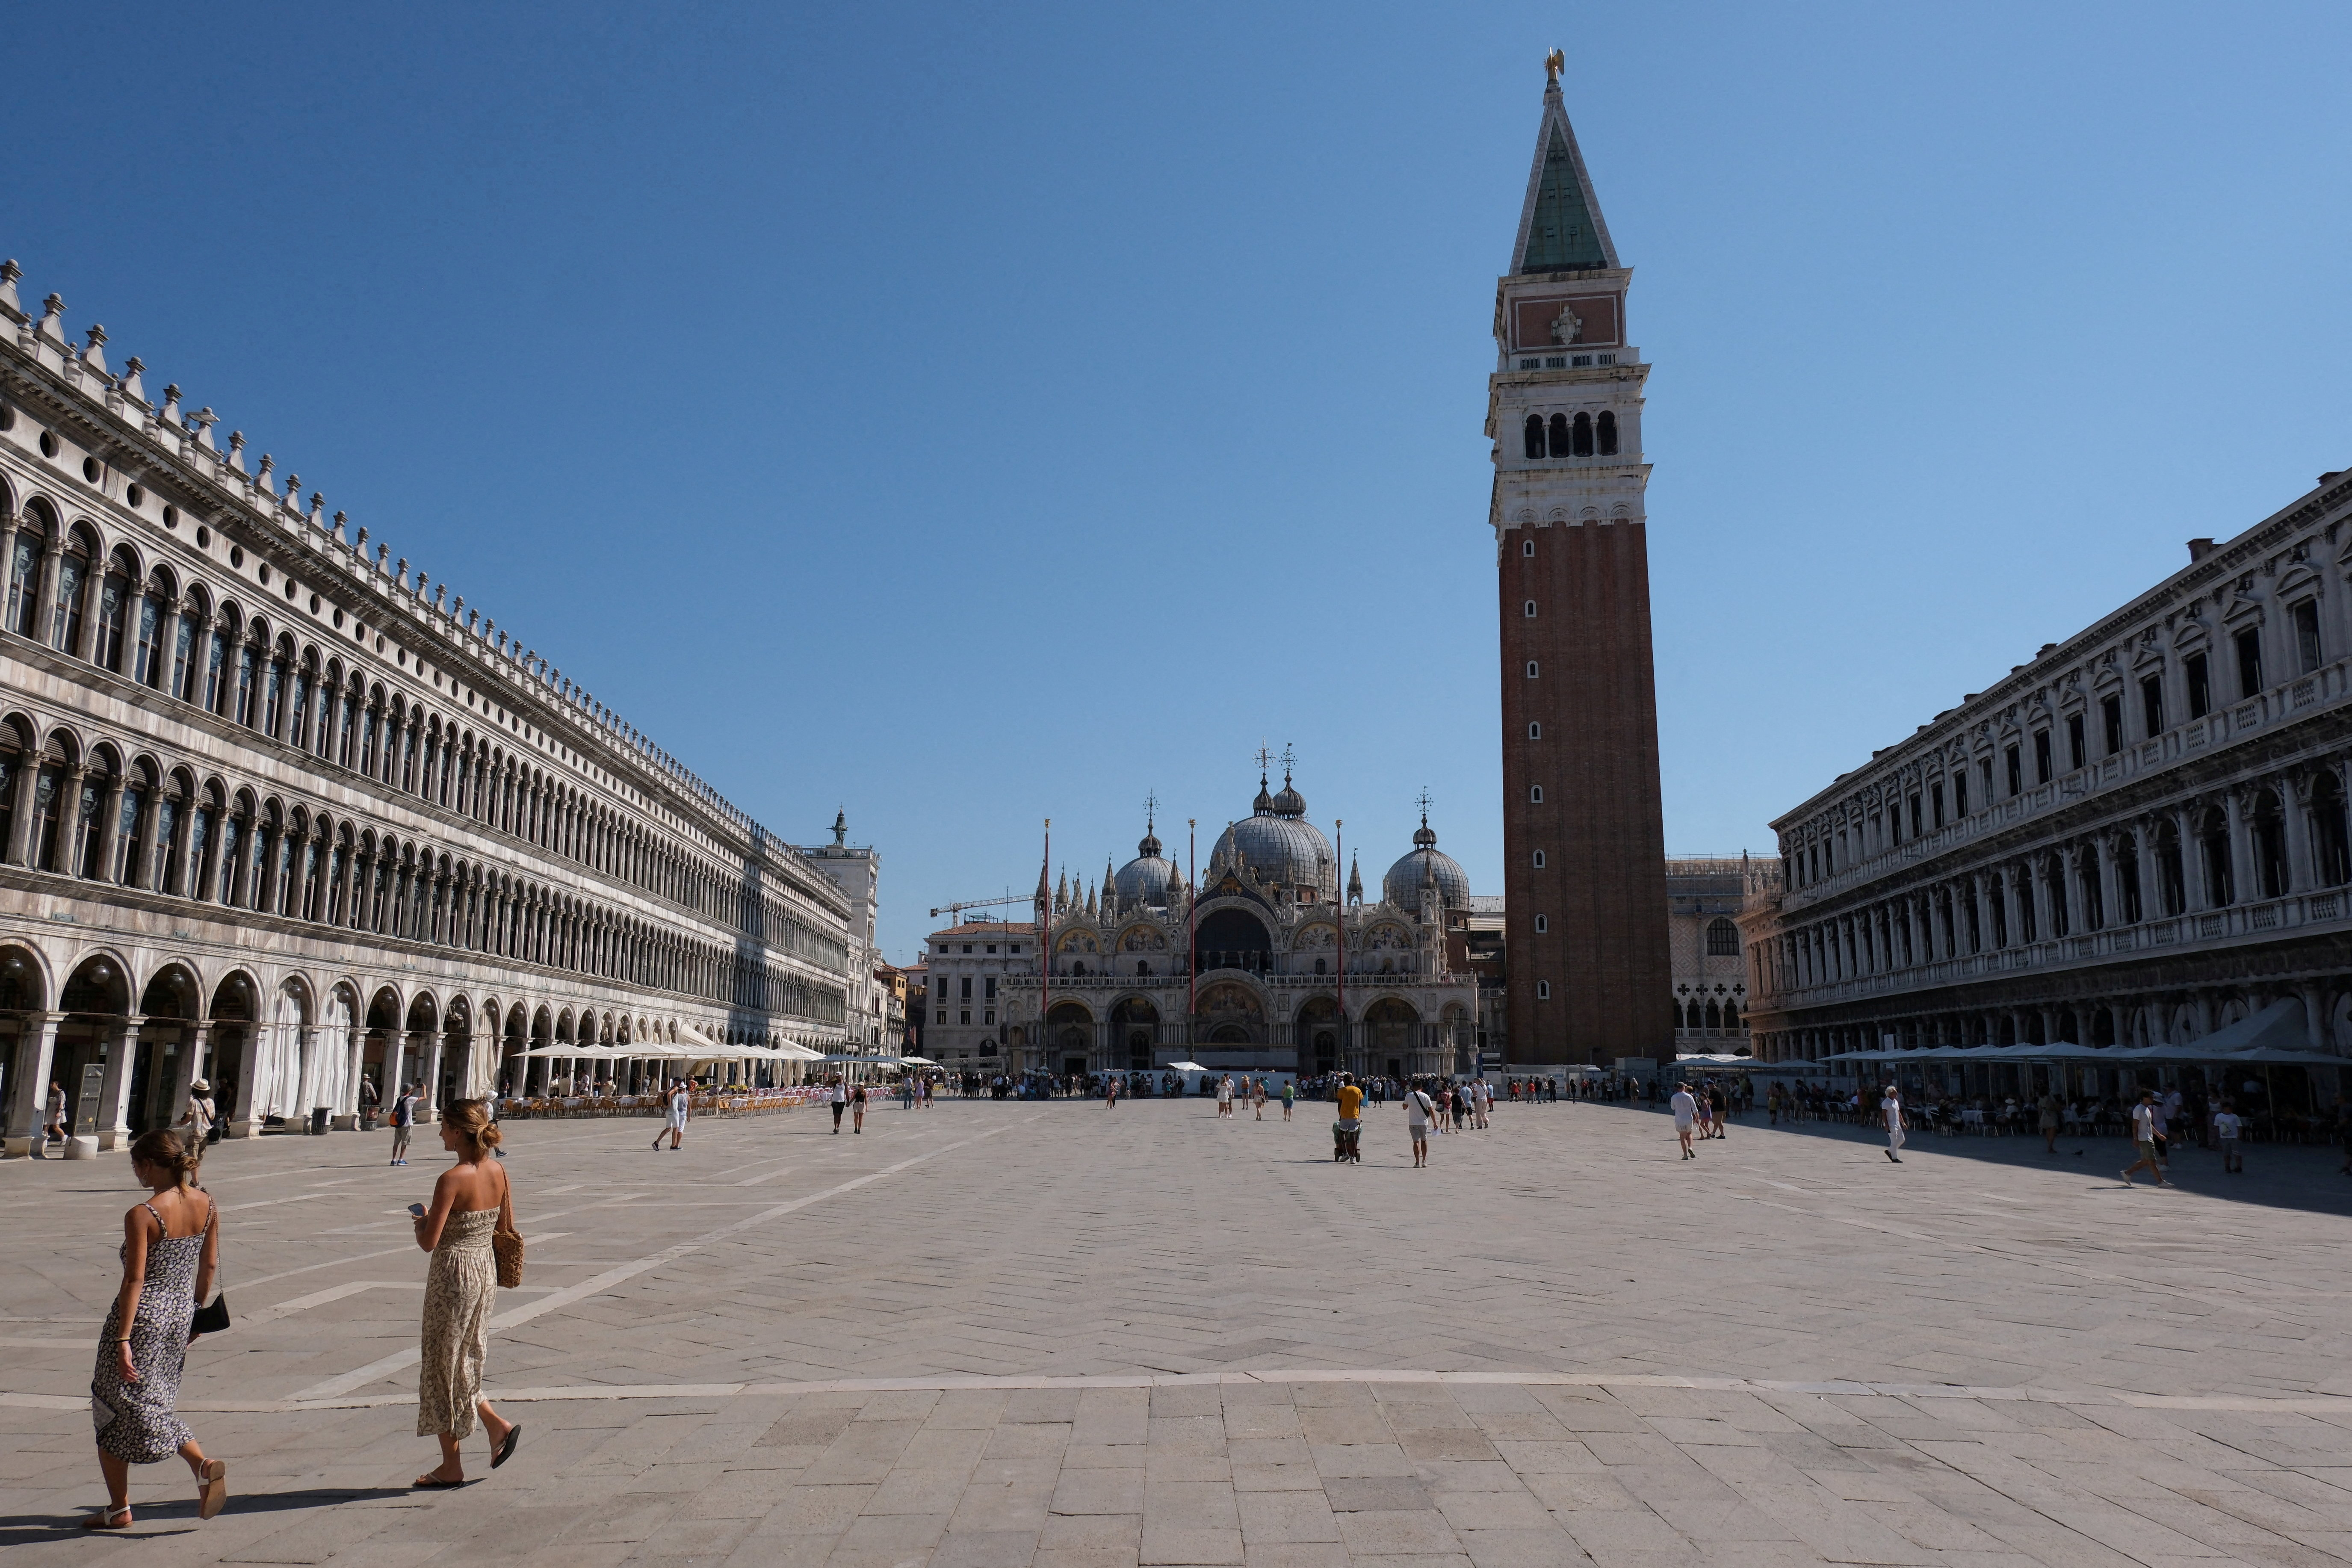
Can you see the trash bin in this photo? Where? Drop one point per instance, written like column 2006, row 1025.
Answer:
column 319, row 1121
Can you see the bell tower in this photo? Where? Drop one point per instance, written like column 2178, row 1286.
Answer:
column 1583, row 834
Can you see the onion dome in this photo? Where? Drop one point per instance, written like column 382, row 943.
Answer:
column 1277, row 842
column 1148, row 880
column 1426, row 865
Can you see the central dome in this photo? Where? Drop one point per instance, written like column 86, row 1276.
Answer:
column 1402, row 885
column 1148, row 878
column 1277, row 842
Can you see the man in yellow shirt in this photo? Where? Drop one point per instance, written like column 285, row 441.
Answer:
column 1351, row 1110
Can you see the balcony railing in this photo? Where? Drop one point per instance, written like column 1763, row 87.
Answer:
column 2266, row 920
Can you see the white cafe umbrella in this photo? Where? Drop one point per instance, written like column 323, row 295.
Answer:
column 1184, row 1067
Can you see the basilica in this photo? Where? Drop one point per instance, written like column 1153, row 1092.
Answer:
column 1266, row 966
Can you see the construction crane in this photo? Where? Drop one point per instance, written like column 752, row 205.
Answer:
column 955, row 910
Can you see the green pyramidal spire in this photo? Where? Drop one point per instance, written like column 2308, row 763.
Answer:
column 1561, row 227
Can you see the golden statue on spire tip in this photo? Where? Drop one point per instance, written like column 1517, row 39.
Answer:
column 1554, row 63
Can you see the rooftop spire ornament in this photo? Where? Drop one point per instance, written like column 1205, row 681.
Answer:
column 1554, row 63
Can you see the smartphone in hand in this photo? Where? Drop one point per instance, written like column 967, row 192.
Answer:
column 416, row 1209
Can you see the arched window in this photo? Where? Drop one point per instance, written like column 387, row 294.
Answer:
column 114, row 609
column 1605, row 427
column 1543, row 923
column 1531, row 669
column 273, row 704
column 2332, row 847
column 1539, row 859
column 187, row 664
column 1722, row 939
column 249, row 657
column 306, row 683
column 1558, row 432
column 1527, row 547
column 1543, row 990
column 25, row 575
column 147, row 666
column 1535, row 794
column 216, row 685
column 1530, row 611
column 1580, row 439
column 1535, row 436
column 73, row 573
column 1535, row 731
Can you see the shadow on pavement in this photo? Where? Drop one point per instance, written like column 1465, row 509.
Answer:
column 2280, row 1175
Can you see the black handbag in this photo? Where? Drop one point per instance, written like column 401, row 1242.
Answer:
column 212, row 1319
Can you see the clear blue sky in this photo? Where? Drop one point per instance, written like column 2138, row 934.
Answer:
column 968, row 415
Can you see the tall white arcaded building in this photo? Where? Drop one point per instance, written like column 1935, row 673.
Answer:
column 277, row 809
column 2137, row 837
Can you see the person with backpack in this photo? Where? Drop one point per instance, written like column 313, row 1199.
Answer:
column 403, row 1122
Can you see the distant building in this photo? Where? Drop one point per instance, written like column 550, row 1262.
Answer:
column 972, row 969
column 1705, row 895
column 1270, row 965
column 856, row 870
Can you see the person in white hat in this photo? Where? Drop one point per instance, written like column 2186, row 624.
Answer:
column 199, row 1116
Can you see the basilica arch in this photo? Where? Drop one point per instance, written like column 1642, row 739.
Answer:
column 1070, row 1038
column 1230, row 1016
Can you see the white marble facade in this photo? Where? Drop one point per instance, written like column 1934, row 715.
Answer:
column 2137, row 837
column 1290, row 972
column 277, row 811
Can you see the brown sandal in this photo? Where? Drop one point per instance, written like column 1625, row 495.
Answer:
column 212, row 1488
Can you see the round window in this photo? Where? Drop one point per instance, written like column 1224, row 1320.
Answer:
column 90, row 470
column 171, row 517
column 204, row 538
column 135, row 496
column 236, row 555
column 49, row 445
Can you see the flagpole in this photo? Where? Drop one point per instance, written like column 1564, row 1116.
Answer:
column 1192, row 931
column 1340, row 850
column 1044, row 910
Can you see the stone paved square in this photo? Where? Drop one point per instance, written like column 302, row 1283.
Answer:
column 1002, row 1333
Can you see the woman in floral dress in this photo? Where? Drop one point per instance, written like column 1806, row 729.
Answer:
column 170, row 1253
column 470, row 1202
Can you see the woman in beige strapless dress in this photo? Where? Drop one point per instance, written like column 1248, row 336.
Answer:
column 469, row 1203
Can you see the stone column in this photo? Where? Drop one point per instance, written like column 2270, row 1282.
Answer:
column 238, row 1116
column 110, row 825
column 2151, row 876
column 347, row 1113
column 306, row 1073
column 2111, row 898
column 45, row 616
column 2069, row 861
column 430, row 1110
column 37, row 1052
column 114, row 1115
column 2244, row 877
column 2196, row 897
column 1979, row 901
column 2294, row 816
column 8, row 521
column 21, row 827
